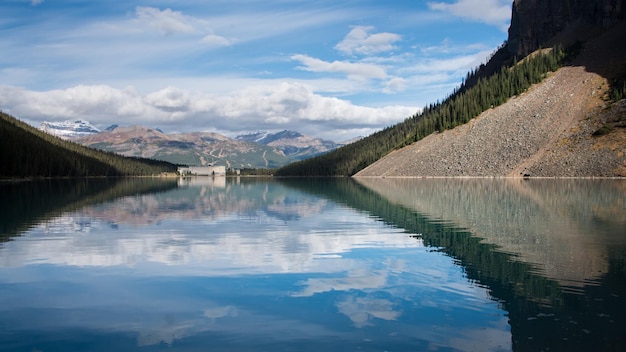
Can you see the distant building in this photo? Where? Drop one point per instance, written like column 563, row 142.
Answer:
column 202, row 170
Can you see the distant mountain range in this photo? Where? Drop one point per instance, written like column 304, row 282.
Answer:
column 292, row 144
column 254, row 150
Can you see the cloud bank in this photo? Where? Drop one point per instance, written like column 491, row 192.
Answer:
column 285, row 105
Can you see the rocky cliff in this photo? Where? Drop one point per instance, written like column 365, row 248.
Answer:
column 536, row 23
column 566, row 126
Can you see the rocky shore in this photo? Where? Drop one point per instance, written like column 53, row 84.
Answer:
column 546, row 132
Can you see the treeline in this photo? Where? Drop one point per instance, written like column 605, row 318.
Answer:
column 28, row 152
column 478, row 93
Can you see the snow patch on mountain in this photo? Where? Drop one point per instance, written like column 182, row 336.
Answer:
column 69, row 129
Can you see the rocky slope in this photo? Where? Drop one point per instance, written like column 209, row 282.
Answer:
column 546, row 132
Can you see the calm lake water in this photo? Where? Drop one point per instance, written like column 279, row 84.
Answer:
column 313, row 265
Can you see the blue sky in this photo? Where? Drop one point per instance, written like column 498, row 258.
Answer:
column 331, row 69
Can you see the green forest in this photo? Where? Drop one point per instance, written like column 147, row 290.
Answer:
column 28, row 152
column 482, row 89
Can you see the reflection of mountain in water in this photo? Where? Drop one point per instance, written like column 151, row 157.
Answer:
column 203, row 220
column 24, row 204
column 207, row 199
column 543, row 314
column 204, row 224
column 555, row 225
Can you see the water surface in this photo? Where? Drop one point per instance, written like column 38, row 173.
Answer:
column 315, row 264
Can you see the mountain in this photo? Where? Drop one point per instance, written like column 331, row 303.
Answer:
column 197, row 148
column 293, row 144
column 27, row 152
column 529, row 111
column 537, row 23
column 542, row 133
column 69, row 129
column 572, row 124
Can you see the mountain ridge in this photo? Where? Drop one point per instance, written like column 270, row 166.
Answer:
column 256, row 150
column 195, row 148
column 293, row 144
column 566, row 126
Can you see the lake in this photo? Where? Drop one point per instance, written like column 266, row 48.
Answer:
column 252, row 264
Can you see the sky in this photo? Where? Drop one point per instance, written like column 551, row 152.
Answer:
column 329, row 69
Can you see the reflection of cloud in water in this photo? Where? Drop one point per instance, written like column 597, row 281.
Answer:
column 358, row 279
column 362, row 310
column 363, row 269
column 221, row 312
column 362, row 276
column 240, row 325
column 229, row 246
column 171, row 329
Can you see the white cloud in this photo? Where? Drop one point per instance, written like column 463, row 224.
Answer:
column 73, row 102
column 171, row 22
column 216, row 40
column 396, row 84
column 359, row 41
column 459, row 64
column 493, row 12
column 170, row 98
column 357, row 71
column 36, row 2
column 167, row 21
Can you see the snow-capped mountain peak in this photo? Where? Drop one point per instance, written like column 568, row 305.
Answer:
column 69, row 129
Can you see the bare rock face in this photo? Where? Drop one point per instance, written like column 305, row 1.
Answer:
column 535, row 22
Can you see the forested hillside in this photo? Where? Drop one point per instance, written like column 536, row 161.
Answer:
column 28, row 152
column 480, row 92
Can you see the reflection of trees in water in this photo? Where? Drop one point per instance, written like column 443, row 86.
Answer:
column 26, row 203
column 543, row 313
column 555, row 225
column 142, row 200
